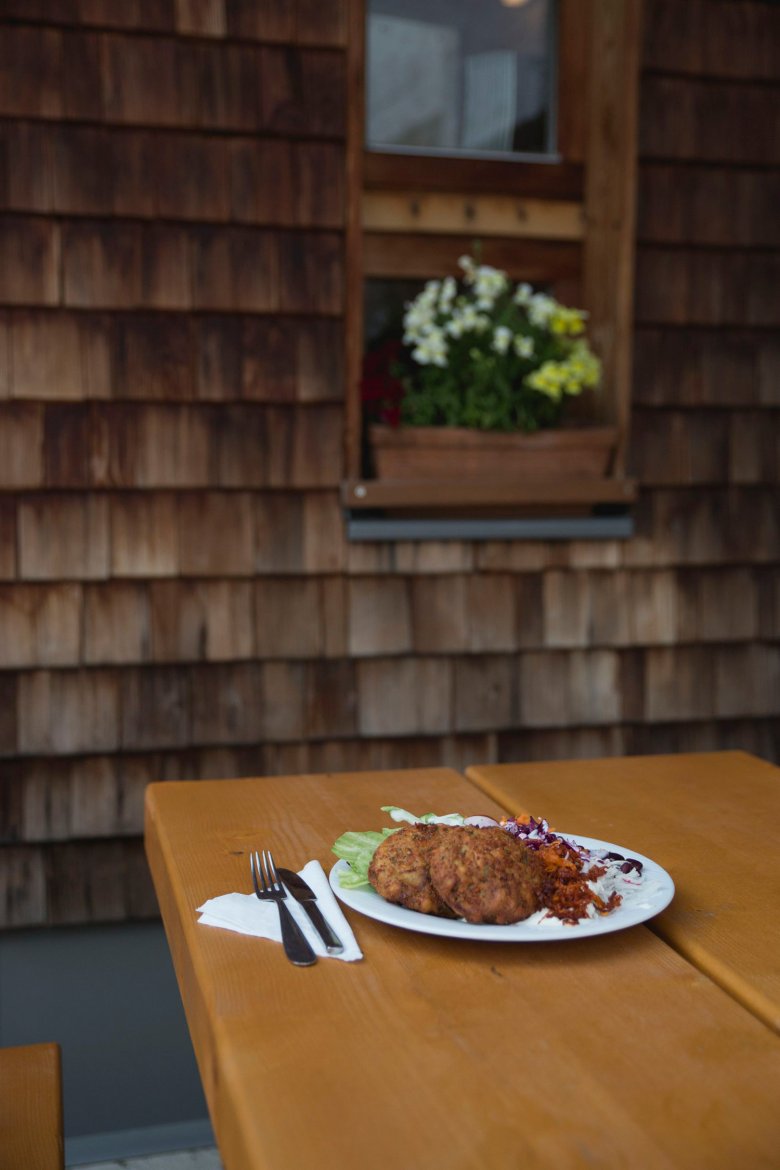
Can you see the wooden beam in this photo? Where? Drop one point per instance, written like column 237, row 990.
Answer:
column 431, row 494
column 419, row 256
column 542, row 180
column 484, row 215
column 573, row 65
column 610, row 198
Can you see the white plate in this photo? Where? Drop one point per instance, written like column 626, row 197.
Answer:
column 639, row 904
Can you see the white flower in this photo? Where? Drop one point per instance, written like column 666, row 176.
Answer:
column 431, row 350
column 502, row 339
column 419, row 319
column 523, row 294
column 430, row 293
column 524, row 347
column 468, row 266
column 470, row 319
column 489, row 283
column 447, row 296
column 540, row 309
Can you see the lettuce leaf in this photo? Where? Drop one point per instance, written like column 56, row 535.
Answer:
column 401, row 814
column 357, row 849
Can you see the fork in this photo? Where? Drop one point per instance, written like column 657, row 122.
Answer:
column 269, row 888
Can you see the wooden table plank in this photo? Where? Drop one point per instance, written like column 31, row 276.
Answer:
column 711, row 819
column 31, row 1135
column 437, row 1052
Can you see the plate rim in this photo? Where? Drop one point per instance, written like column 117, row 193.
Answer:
column 400, row 917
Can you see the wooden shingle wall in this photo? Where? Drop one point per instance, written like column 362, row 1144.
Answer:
column 177, row 599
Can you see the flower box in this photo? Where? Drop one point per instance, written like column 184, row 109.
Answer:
column 458, row 453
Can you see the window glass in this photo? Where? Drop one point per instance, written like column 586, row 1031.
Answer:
column 473, row 77
column 384, row 304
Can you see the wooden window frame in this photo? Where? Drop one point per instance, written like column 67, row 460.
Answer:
column 569, row 223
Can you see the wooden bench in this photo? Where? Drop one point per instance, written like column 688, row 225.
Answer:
column 31, row 1108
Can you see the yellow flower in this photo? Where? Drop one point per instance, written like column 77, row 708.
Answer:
column 567, row 322
column 548, row 379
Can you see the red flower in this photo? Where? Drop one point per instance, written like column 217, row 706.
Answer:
column 379, row 386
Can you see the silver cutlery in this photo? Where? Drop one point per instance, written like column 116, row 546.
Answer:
column 303, row 893
column 268, row 888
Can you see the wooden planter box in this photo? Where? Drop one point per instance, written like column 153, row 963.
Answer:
column 455, row 453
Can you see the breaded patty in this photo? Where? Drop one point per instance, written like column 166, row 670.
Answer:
column 484, row 875
column 399, row 869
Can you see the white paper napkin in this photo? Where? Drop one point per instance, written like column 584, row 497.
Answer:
column 246, row 914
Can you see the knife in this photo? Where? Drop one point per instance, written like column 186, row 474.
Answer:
column 303, row 893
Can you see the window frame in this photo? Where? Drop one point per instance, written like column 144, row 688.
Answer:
column 573, row 227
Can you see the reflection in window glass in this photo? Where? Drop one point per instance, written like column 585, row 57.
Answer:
column 460, row 76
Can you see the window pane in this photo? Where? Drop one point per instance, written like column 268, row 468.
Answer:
column 468, row 77
column 383, row 308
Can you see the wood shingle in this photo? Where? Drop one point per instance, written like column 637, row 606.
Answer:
column 492, row 615
column 63, row 537
column 40, row 625
column 144, row 535
column 707, row 120
column 735, row 40
column 440, row 618
column 288, row 617
column 420, row 691
column 68, row 711
column 29, row 261
column 483, row 692
column 379, row 616
column 116, row 623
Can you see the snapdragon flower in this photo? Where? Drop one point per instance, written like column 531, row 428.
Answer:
column 549, row 379
column 579, row 371
column 431, row 350
column 502, row 339
column 567, row 322
column 419, row 319
column 524, row 347
column 489, row 284
column 541, row 309
column 449, row 288
column 585, row 364
column 465, row 318
column 468, row 266
column 430, row 293
column 472, row 319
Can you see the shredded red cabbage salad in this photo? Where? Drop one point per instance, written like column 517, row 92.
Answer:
column 536, row 833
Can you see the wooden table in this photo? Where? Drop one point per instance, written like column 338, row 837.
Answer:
column 438, row 1053
column 711, row 819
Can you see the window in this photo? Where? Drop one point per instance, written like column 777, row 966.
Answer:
column 514, row 124
column 460, row 77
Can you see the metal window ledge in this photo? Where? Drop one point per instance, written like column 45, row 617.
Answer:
column 606, row 527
